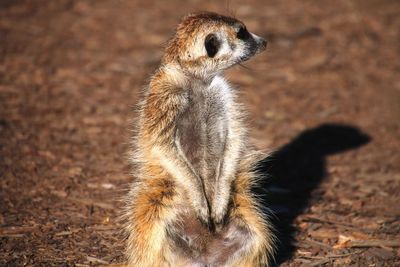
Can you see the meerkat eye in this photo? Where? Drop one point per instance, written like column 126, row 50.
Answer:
column 242, row 33
column 212, row 44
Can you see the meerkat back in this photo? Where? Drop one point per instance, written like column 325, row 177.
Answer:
column 191, row 203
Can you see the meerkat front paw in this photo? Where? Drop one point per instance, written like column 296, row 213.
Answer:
column 219, row 216
column 202, row 211
column 220, row 206
column 203, row 216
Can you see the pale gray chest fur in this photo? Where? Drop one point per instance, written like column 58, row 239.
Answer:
column 202, row 133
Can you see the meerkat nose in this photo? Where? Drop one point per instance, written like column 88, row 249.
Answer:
column 264, row 43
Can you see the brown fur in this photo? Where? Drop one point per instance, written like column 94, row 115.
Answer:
column 178, row 213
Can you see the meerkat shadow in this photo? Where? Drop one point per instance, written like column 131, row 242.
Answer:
column 293, row 172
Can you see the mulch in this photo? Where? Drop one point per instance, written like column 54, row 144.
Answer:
column 324, row 100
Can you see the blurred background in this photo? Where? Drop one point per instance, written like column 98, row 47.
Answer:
column 324, row 100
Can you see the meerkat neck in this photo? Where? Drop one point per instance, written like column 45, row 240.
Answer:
column 183, row 77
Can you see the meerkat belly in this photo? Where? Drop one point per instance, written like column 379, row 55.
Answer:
column 201, row 136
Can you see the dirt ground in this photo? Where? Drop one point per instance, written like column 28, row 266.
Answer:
column 324, row 99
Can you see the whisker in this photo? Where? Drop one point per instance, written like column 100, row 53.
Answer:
column 245, row 67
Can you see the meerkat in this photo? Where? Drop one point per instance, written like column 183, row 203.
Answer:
column 191, row 203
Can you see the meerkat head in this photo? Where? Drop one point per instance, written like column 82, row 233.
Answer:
column 207, row 43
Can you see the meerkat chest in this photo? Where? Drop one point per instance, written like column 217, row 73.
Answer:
column 203, row 128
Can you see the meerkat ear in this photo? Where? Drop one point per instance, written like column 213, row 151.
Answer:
column 212, row 44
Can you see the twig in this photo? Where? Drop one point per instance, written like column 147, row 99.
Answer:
column 96, row 260
column 316, row 263
column 87, row 201
column 372, row 243
column 318, row 220
column 320, row 244
column 63, row 233
column 16, row 231
column 344, row 255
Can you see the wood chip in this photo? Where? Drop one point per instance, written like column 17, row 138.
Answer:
column 96, row 260
column 373, row 243
column 16, row 230
column 91, row 202
column 63, row 233
column 317, row 263
column 316, row 243
column 323, row 233
column 351, row 242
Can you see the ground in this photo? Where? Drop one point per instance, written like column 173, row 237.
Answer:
column 324, row 99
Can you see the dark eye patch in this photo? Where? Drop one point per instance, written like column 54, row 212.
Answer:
column 212, row 45
column 242, row 33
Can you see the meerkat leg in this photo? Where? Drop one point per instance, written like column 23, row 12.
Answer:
column 258, row 249
column 175, row 163
column 228, row 171
column 151, row 208
column 245, row 240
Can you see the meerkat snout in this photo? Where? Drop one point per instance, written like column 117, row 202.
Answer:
column 261, row 43
column 255, row 42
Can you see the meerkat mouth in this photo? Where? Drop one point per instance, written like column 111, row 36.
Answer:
column 251, row 51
